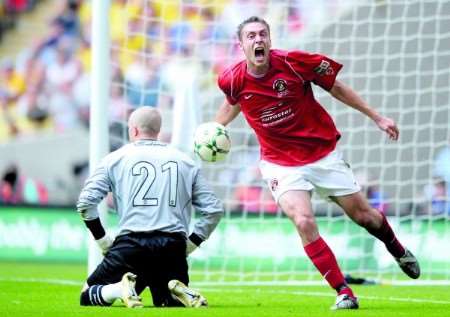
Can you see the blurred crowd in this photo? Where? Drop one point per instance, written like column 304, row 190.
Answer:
column 164, row 53
column 46, row 86
column 10, row 11
column 158, row 49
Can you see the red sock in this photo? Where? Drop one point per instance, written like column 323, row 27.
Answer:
column 345, row 290
column 324, row 260
column 387, row 236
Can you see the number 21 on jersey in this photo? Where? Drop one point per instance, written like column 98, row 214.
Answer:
column 147, row 174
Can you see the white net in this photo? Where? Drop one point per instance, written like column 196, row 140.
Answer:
column 396, row 54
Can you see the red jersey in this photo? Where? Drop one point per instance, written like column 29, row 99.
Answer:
column 292, row 127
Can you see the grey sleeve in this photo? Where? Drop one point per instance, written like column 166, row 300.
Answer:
column 95, row 189
column 210, row 207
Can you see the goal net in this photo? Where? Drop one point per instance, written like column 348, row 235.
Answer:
column 396, row 54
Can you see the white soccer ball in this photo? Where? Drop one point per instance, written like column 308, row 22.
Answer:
column 211, row 142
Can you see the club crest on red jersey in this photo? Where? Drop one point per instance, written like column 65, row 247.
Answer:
column 280, row 86
column 274, row 184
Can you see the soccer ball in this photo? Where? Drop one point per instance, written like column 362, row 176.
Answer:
column 211, row 142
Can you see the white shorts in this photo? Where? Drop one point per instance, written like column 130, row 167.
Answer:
column 329, row 176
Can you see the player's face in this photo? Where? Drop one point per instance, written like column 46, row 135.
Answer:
column 255, row 42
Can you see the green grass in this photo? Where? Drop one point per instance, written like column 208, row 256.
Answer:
column 29, row 289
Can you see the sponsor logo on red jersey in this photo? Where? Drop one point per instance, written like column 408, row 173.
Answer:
column 275, row 115
column 324, row 68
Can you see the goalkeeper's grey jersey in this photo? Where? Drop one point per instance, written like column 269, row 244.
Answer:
column 154, row 187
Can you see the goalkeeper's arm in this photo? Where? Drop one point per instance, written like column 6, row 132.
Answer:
column 95, row 189
column 193, row 242
column 103, row 239
column 211, row 210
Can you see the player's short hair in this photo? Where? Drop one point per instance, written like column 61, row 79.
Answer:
column 147, row 119
column 251, row 19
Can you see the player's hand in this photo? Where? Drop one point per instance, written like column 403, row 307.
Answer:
column 190, row 247
column 388, row 125
column 105, row 243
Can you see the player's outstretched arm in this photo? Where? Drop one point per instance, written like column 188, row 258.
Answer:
column 227, row 113
column 348, row 96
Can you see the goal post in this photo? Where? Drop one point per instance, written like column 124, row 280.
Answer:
column 98, row 130
column 395, row 54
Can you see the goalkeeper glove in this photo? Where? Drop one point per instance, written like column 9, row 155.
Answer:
column 192, row 243
column 105, row 243
column 190, row 246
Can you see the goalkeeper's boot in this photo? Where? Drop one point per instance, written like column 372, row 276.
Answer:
column 345, row 301
column 409, row 264
column 129, row 296
column 187, row 296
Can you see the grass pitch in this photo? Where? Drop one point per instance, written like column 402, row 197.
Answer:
column 30, row 289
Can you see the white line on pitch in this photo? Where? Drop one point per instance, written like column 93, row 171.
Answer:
column 237, row 290
column 331, row 294
column 322, row 282
column 42, row 280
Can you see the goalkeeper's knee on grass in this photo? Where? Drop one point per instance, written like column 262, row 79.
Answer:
column 105, row 295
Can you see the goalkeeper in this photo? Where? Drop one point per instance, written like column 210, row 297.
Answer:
column 154, row 187
column 273, row 89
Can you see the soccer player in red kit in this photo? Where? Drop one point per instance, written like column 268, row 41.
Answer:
column 298, row 140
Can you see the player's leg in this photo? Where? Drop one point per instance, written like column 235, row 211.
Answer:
column 188, row 297
column 113, row 278
column 297, row 206
column 333, row 178
column 292, row 191
column 104, row 293
column 123, row 290
column 168, row 283
column 358, row 209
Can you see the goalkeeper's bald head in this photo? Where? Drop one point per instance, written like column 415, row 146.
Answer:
column 144, row 123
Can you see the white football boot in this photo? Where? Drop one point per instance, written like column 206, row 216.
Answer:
column 345, row 301
column 187, row 296
column 129, row 296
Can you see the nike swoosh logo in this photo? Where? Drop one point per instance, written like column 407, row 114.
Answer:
column 248, row 97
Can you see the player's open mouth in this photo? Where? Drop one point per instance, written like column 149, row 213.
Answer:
column 259, row 54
